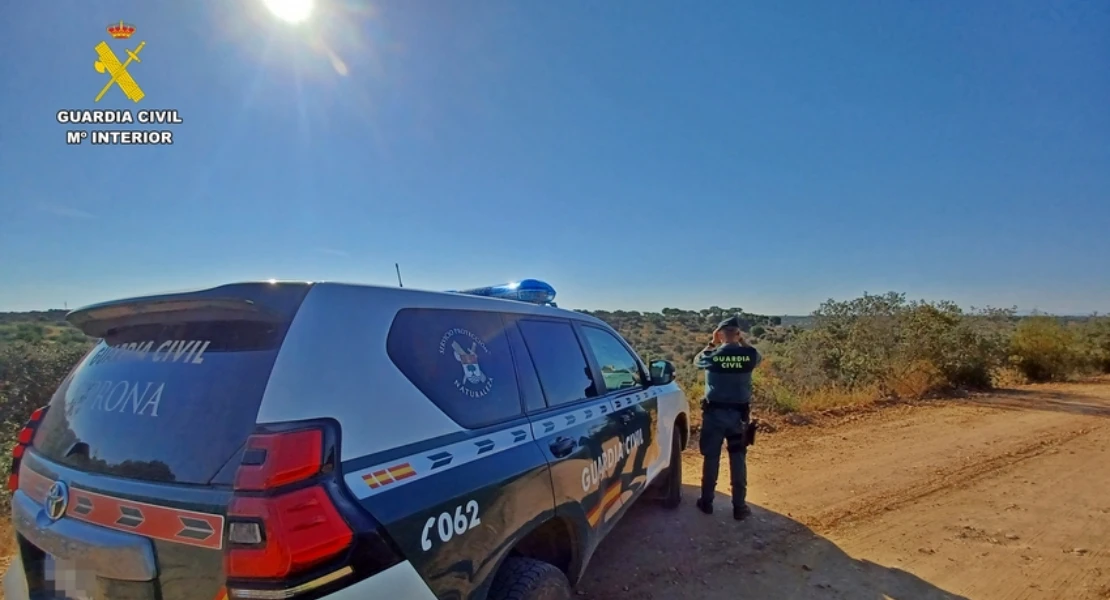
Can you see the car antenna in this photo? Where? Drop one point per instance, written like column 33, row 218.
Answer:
column 398, row 267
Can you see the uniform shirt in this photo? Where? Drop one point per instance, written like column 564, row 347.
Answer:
column 728, row 373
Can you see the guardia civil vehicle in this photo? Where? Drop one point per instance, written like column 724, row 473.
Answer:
column 319, row 440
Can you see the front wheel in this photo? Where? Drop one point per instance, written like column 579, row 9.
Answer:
column 528, row 579
column 672, row 484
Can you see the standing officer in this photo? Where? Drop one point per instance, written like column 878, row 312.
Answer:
column 728, row 362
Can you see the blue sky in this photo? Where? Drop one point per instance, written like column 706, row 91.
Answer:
column 634, row 154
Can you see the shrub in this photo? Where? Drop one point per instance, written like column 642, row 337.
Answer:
column 1096, row 336
column 1043, row 349
column 770, row 393
column 29, row 375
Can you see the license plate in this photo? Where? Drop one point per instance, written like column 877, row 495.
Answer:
column 66, row 579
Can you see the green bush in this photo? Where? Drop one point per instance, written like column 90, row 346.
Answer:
column 29, row 375
column 901, row 348
column 1096, row 337
column 1046, row 350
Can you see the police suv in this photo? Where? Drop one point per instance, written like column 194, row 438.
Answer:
column 298, row 440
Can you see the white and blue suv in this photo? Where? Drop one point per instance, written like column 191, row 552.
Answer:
column 320, row 440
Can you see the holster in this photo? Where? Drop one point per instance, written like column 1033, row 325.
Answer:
column 749, row 428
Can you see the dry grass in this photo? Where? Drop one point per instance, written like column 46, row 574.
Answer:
column 914, row 381
column 1008, row 377
column 7, row 547
column 835, row 397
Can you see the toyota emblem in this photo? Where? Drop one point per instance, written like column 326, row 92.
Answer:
column 57, row 499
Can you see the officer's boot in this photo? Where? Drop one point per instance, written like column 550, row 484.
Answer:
column 709, row 468
column 738, row 471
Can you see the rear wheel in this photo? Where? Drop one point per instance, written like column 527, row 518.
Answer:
column 672, row 484
column 528, row 579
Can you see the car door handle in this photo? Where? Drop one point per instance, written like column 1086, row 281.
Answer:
column 561, row 447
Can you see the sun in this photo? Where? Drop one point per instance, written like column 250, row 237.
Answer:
column 290, row 11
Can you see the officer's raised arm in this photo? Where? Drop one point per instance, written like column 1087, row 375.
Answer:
column 704, row 358
column 757, row 357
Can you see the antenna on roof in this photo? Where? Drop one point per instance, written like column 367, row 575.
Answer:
column 398, row 267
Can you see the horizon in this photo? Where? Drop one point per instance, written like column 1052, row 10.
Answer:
column 769, row 156
column 723, row 305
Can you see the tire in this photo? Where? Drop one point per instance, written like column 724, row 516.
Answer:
column 528, row 579
column 672, row 483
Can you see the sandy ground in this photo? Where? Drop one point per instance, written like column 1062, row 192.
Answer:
column 997, row 497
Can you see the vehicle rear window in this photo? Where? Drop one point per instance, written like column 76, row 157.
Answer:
column 163, row 402
column 460, row 360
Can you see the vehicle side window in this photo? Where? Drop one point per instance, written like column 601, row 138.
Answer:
column 460, row 360
column 527, row 378
column 619, row 367
column 564, row 374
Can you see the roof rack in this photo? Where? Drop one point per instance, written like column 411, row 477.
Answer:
column 532, row 291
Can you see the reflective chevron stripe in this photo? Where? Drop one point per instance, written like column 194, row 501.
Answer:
column 381, row 477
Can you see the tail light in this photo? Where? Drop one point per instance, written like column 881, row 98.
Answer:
column 26, row 435
column 282, row 521
column 292, row 526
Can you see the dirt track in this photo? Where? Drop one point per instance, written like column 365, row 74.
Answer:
column 1003, row 497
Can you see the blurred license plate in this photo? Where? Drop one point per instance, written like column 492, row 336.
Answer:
column 66, row 579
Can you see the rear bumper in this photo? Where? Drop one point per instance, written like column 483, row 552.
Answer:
column 398, row 581
column 126, row 557
column 107, row 553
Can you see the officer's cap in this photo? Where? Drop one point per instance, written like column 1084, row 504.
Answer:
column 732, row 321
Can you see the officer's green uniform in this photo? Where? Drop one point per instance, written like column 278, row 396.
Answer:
column 726, row 414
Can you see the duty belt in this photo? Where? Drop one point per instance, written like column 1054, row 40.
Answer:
column 706, row 405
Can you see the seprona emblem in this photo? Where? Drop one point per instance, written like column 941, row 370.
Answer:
column 468, row 350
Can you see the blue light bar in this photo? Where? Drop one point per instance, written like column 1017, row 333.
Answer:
column 532, row 291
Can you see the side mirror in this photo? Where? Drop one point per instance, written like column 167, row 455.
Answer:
column 662, row 372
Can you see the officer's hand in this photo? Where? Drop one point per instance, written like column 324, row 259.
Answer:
column 716, row 338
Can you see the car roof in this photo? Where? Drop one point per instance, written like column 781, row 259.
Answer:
column 493, row 304
column 421, row 297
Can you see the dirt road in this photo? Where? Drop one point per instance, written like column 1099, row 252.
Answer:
column 1003, row 497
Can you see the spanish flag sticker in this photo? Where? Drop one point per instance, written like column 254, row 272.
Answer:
column 389, row 475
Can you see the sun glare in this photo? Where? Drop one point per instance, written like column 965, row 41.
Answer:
column 290, row 11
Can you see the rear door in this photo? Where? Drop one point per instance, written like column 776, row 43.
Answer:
column 575, row 427
column 456, row 504
column 143, row 439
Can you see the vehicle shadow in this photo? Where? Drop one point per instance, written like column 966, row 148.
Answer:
column 1091, row 399
column 684, row 554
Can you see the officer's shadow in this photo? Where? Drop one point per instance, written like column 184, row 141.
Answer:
column 683, row 554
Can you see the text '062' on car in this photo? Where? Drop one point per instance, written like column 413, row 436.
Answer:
column 319, row 440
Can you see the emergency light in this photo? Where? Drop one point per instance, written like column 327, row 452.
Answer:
column 532, row 291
